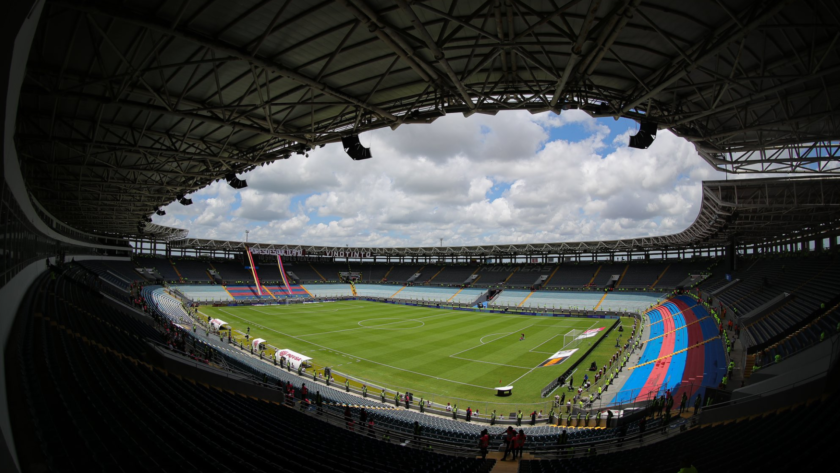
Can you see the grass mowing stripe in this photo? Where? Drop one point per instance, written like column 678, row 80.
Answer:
column 422, row 358
column 354, row 356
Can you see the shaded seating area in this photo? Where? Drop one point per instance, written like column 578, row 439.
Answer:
column 97, row 405
column 705, row 447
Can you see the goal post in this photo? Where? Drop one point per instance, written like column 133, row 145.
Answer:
column 570, row 339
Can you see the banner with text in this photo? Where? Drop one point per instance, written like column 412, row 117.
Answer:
column 294, row 358
column 558, row 358
column 590, row 333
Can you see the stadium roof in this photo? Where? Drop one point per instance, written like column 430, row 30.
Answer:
column 750, row 211
column 127, row 105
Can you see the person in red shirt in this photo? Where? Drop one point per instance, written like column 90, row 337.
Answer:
column 520, row 444
column 510, row 442
column 484, row 443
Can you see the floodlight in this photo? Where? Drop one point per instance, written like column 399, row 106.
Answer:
column 235, row 182
column 644, row 138
column 160, row 212
column 354, row 148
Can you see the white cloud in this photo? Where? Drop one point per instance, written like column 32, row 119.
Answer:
column 475, row 180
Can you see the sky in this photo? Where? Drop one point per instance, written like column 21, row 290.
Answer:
column 509, row 178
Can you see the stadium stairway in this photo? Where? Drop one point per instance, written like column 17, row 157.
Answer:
column 507, row 466
column 180, row 278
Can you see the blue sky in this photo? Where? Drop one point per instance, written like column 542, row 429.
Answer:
column 509, row 178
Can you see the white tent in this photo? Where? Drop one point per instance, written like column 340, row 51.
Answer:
column 293, row 358
column 255, row 343
column 217, row 324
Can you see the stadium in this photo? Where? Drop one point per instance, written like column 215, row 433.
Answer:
column 139, row 337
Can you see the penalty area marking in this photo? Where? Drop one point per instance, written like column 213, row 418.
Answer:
column 532, row 369
column 481, row 340
column 502, row 364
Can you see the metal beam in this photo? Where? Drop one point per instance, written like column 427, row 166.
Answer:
column 154, row 25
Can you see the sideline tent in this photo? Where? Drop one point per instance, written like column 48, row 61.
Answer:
column 293, row 358
column 217, row 324
column 255, row 343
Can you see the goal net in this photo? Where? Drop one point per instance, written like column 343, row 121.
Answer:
column 571, row 340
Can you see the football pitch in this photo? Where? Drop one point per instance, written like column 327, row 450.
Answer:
column 442, row 355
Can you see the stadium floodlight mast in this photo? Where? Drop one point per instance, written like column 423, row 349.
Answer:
column 246, row 235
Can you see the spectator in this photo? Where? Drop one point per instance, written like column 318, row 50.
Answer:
column 509, row 439
column 520, row 444
column 484, row 443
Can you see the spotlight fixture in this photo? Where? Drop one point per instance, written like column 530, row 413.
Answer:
column 160, row 212
column 644, row 138
column 354, row 148
column 147, row 219
column 183, row 200
column 235, row 182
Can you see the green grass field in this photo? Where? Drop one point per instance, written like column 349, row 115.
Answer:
column 443, row 355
